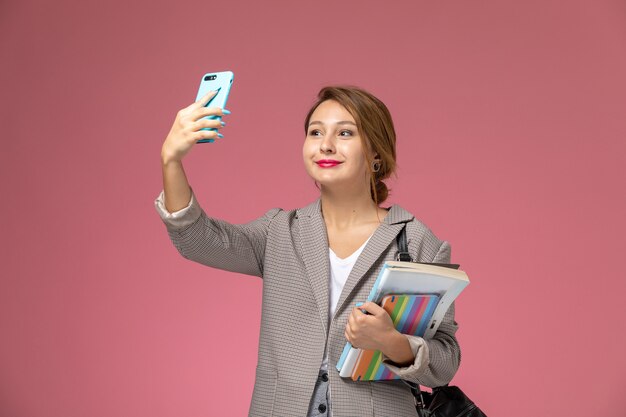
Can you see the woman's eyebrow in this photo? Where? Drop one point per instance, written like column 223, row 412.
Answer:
column 342, row 122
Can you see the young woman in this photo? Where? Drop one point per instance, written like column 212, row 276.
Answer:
column 317, row 262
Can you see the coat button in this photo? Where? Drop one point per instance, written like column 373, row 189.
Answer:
column 325, row 377
column 322, row 408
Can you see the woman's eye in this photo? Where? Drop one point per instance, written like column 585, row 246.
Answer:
column 315, row 133
column 346, row 133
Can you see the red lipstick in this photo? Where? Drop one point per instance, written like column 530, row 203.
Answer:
column 327, row 163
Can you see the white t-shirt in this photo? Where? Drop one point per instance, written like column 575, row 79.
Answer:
column 339, row 272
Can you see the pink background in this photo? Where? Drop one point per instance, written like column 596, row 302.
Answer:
column 511, row 139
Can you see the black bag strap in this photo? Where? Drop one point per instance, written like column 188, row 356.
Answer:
column 404, row 255
column 403, row 250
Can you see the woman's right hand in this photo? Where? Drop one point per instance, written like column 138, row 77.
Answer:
column 187, row 129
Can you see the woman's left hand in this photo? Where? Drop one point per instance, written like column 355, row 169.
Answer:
column 369, row 331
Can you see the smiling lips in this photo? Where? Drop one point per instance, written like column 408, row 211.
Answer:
column 327, row 163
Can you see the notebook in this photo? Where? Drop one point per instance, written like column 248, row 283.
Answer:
column 410, row 315
column 437, row 284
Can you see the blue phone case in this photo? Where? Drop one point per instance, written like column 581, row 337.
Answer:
column 220, row 81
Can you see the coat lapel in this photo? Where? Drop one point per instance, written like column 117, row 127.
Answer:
column 384, row 236
column 314, row 241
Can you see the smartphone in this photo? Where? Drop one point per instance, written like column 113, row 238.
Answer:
column 220, row 81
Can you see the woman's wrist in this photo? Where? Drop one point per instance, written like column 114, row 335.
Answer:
column 168, row 160
column 398, row 349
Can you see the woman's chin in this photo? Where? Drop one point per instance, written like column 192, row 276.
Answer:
column 329, row 181
column 337, row 185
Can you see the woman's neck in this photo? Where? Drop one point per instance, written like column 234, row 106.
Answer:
column 347, row 208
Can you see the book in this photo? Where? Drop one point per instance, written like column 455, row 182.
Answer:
column 436, row 285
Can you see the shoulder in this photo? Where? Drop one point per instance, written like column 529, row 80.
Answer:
column 286, row 217
column 424, row 244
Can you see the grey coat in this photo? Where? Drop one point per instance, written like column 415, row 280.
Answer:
column 289, row 250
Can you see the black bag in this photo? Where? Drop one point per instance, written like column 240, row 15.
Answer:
column 445, row 401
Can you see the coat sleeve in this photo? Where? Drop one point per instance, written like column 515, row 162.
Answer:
column 437, row 359
column 216, row 243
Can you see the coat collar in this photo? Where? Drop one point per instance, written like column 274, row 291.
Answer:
column 314, row 241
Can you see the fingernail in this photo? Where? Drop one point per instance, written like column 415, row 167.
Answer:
column 219, row 135
column 223, row 123
column 359, row 304
column 226, row 111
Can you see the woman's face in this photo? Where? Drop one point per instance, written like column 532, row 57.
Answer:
column 333, row 151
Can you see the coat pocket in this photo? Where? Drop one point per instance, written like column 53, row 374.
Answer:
column 264, row 393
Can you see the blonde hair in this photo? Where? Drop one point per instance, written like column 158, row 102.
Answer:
column 376, row 129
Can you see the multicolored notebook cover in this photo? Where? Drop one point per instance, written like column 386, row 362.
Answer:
column 411, row 315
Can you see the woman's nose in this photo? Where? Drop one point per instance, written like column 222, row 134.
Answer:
column 327, row 145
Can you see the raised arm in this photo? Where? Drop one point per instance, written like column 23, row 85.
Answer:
column 187, row 130
column 212, row 242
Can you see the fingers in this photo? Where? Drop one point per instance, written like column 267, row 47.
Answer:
column 198, row 109
column 348, row 335
column 207, row 129
column 206, row 134
column 208, row 111
column 372, row 308
column 208, row 123
column 349, row 329
column 202, row 101
column 357, row 317
column 192, row 126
